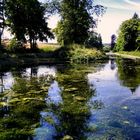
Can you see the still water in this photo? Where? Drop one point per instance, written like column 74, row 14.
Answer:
column 99, row 101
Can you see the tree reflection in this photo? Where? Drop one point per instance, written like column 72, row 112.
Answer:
column 129, row 73
column 1, row 82
column 112, row 65
column 34, row 71
column 75, row 94
column 20, row 107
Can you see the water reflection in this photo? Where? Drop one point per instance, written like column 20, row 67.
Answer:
column 112, row 64
column 114, row 109
column 47, row 130
column 20, row 107
column 6, row 80
column 54, row 94
column 49, row 119
column 129, row 73
column 82, row 102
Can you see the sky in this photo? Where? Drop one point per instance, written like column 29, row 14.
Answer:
column 117, row 12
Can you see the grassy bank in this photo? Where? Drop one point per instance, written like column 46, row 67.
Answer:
column 50, row 54
column 131, row 54
column 81, row 54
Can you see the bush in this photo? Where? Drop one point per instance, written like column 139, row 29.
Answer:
column 16, row 46
column 94, row 41
column 79, row 53
column 106, row 48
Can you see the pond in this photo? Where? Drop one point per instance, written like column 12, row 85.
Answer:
column 99, row 101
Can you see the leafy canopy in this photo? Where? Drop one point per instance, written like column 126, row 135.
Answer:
column 129, row 35
column 26, row 20
column 76, row 20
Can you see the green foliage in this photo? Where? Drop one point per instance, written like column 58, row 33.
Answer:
column 22, row 104
column 128, row 39
column 16, row 46
column 75, row 94
column 128, row 72
column 79, row 53
column 113, row 41
column 106, row 48
column 52, row 6
column 76, row 20
column 26, row 20
column 131, row 53
column 1, row 20
column 94, row 41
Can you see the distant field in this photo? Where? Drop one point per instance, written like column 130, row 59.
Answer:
column 42, row 46
column 48, row 46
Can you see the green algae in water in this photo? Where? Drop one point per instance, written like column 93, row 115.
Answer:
column 79, row 114
column 21, row 107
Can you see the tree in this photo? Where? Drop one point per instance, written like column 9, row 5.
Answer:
column 26, row 20
column 113, row 39
column 1, row 19
column 76, row 20
column 129, row 32
column 135, row 16
column 94, row 40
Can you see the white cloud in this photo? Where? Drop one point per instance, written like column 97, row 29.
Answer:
column 132, row 3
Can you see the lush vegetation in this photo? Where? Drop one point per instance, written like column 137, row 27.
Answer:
column 76, row 20
column 129, row 35
column 94, row 40
column 26, row 20
column 128, row 70
column 131, row 53
column 23, row 104
column 76, row 53
column 80, row 54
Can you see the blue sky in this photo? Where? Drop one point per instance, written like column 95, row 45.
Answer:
column 117, row 12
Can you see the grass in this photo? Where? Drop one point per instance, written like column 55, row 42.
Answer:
column 132, row 53
column 43, row 47
column 50, row 54
column 48, row 47
column 80, row 54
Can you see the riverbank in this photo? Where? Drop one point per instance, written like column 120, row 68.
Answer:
column 18, row 60
column 49, row 55
column 130, row 55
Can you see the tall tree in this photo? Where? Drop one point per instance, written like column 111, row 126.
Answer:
column 113, row 39
column 94, row 40
column 76, row 20
column 135, row 16
column 26, row 20
column 129, row 33
column 1, row 19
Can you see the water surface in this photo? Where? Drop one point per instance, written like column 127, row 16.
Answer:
column 79, row 102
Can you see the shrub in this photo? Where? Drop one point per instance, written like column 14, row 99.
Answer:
column 79, row 53
column 106, row 48
column 16, row 46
